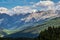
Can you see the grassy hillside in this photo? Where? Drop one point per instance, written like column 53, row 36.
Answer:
column 54, row 22
column 50, row 34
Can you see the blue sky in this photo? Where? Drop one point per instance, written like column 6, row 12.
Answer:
column 13, row 3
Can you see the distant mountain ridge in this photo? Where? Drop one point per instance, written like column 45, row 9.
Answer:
column 21, row 22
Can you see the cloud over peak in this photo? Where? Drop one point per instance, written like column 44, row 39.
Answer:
column 3, row 10
column 41, row 5
column 22, row 9
column 45, row 3
column 16, row 10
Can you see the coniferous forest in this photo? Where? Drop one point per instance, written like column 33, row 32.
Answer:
column 50, row 34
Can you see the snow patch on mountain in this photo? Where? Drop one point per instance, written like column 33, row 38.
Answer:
column 39, row 16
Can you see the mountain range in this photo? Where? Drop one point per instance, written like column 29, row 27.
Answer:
column 35, row 30
column 21, row 22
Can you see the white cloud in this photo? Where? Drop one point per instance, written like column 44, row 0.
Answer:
column 6, row 11
column 3, row 10
column 22, row 9
column 45, row 5
column 17, row 10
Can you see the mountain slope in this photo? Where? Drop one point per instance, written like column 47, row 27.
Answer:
column 17, row 21
column 21, row 22
column 34, row 31
column 53, row 22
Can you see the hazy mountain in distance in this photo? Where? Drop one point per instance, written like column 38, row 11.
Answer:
column 22, row 22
